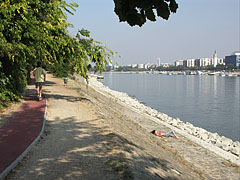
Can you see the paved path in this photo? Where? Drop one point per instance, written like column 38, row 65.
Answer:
column 22, row 130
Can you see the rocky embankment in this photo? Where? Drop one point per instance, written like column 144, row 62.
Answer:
column 221, row 145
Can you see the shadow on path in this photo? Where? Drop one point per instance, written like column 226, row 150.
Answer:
column 86, row 151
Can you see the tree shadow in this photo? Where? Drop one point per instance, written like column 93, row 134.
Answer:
column 49, row 83
column 68, row 98
column 86, row 151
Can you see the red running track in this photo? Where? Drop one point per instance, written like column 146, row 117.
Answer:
column 21, row 130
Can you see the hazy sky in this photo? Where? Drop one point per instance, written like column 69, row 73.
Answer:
column 197, row 29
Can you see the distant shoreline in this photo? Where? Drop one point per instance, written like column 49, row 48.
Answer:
column 216, row 73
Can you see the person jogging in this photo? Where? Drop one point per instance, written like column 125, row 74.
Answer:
column 40, row 77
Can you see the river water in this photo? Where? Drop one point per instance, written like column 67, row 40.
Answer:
column 209, row 102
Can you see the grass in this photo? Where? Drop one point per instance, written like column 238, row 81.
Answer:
column 121, row 167
column 5, row 105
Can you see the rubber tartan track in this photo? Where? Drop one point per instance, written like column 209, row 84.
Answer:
column 20, row 132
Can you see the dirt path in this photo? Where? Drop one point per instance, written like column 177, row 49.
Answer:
column 89, row 136
column 74, row 142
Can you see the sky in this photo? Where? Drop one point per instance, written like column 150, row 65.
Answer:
column 197, row 29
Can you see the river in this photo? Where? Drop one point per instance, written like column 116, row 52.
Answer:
column 209, row 102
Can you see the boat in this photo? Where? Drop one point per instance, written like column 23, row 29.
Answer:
column 100, row 77
column 199, row 72
column 213, row 73
column 229, row 75
column 222, row 74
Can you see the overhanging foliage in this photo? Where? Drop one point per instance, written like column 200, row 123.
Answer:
column 36, row 30
column 136, row 12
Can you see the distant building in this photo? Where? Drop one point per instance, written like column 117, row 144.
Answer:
column 200, row 62
column 203, row 62
column 179, row 63
column 153, row 65
column 215, row 60
column 189, row 63
column 146, row 66
column 115, row 66
column 134, row 65
column 158, row 62
column 165, row 64
column 221, row 61
column 140, row 66
column 233, row 59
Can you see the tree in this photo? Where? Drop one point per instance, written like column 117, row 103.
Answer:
column 229, row 67
column 32, row 31
column 135, row 12
column 220, row 67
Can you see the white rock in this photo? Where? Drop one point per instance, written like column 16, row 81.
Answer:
column 213, row 136
column 226, row 143
column 235, row 150
column 204, row 136
column 218, row 143
column 236, row 144
column 173, row 122
column 189, row 131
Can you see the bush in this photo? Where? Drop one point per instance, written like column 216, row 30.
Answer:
column 60, row 70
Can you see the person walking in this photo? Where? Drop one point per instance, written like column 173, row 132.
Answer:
column 40, row 77
column 65, row 80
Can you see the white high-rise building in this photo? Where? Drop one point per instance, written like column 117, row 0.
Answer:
column 159, row 62
column 140, row 66
column 215, row 60
column 179, row 63
column 189, row 62
column 203, row 62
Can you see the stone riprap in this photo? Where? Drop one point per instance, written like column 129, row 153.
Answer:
column 214, row 139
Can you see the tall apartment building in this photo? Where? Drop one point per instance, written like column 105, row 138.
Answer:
column 203, row 62
column 215, row 59
column 158, row 62
column 140, row 66
column 233, row 59
column 179, row 63
column 189, row 63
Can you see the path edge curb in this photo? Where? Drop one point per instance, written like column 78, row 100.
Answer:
column 14, row 163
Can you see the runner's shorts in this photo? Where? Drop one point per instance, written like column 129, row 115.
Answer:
column 39, row 84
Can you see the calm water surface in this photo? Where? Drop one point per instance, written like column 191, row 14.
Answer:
column 210, row 102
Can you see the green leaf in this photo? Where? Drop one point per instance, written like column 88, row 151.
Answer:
column 150, row 14
column 173, row 6
column 163, row 10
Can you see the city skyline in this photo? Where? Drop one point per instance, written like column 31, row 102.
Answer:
column 196, row 30
column 157, row 62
